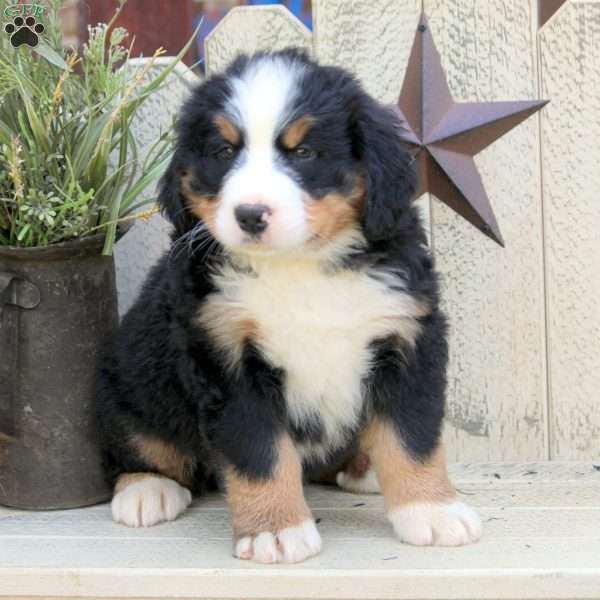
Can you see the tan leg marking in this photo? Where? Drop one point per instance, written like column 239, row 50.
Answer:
column 420, row 500
column 404, row 480
column 271, row 521
column 145, row 499
column 271, row 504
column 164, row 457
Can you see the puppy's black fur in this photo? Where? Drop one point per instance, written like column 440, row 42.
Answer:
column 162, row 375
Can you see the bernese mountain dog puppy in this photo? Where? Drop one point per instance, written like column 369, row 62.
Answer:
column 293, row 330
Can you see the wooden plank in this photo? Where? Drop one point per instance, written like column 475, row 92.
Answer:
column 570, row 130
column 548, row 484
column 247, row 29
column 482, row 495
column 361, row 523
column 532, row 548
column 370, row 39
column 538, row 472
column 514, row 550
column 278, row 583
column 494, row 296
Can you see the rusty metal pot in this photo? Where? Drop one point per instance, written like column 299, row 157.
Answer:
column 57, row 305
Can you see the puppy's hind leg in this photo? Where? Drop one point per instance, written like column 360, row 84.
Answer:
column 359, row 476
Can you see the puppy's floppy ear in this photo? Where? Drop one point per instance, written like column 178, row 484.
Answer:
column 389, row 174
column 171, row 200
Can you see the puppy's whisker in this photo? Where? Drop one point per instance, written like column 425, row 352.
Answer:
column 208, row 246
column 202, row 243
column 187, row 239
column 178, row 246
column 202, row 240
column 195, row 234
column 201, row 237
column 182, row 210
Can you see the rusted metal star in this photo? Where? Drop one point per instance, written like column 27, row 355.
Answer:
column 547, row 9
column 444, row 136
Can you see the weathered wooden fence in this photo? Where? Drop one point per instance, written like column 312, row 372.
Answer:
column 524, row 380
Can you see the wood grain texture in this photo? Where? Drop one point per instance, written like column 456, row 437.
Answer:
column 570, row 129
column 148, row 240
column 493, row 296
column 370, row 39
column 541, row 541
column 248, row 29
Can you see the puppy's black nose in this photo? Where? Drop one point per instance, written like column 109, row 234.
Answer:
column 252, row 217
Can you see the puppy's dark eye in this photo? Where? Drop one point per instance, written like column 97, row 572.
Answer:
column 226, row 152
column 303, row 152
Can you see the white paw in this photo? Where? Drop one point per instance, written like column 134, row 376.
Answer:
column 290, row 545
column 367, row 484
column 150, row 501
column 426, row 524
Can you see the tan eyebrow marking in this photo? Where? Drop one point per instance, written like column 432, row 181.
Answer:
column 294, row 133
column 228, row 130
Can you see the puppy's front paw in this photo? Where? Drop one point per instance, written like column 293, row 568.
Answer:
column 149, row 501
column 289, row 545
column 427, row 524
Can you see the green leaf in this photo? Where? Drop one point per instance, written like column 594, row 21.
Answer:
column 51, row 55
column 120, row 209
column 79, row 162
column 23, row 232
column 151, row 176
column 39, row 131
column 88, row 145
column 5, row 134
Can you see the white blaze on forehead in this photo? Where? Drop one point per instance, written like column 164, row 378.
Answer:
column 261, row 104
column 262, row 98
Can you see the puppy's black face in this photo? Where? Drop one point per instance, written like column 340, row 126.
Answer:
column 281, row 153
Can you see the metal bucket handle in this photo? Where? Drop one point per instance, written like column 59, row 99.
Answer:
column 22, row 293
column 18, row 291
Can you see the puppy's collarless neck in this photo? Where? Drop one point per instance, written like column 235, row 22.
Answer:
column 329, row 257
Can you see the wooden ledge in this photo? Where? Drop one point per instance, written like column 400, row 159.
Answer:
column 542, row 540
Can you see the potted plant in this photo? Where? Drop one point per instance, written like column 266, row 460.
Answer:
column 70, row 176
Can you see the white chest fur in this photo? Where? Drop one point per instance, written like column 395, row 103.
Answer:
column 313, row 324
